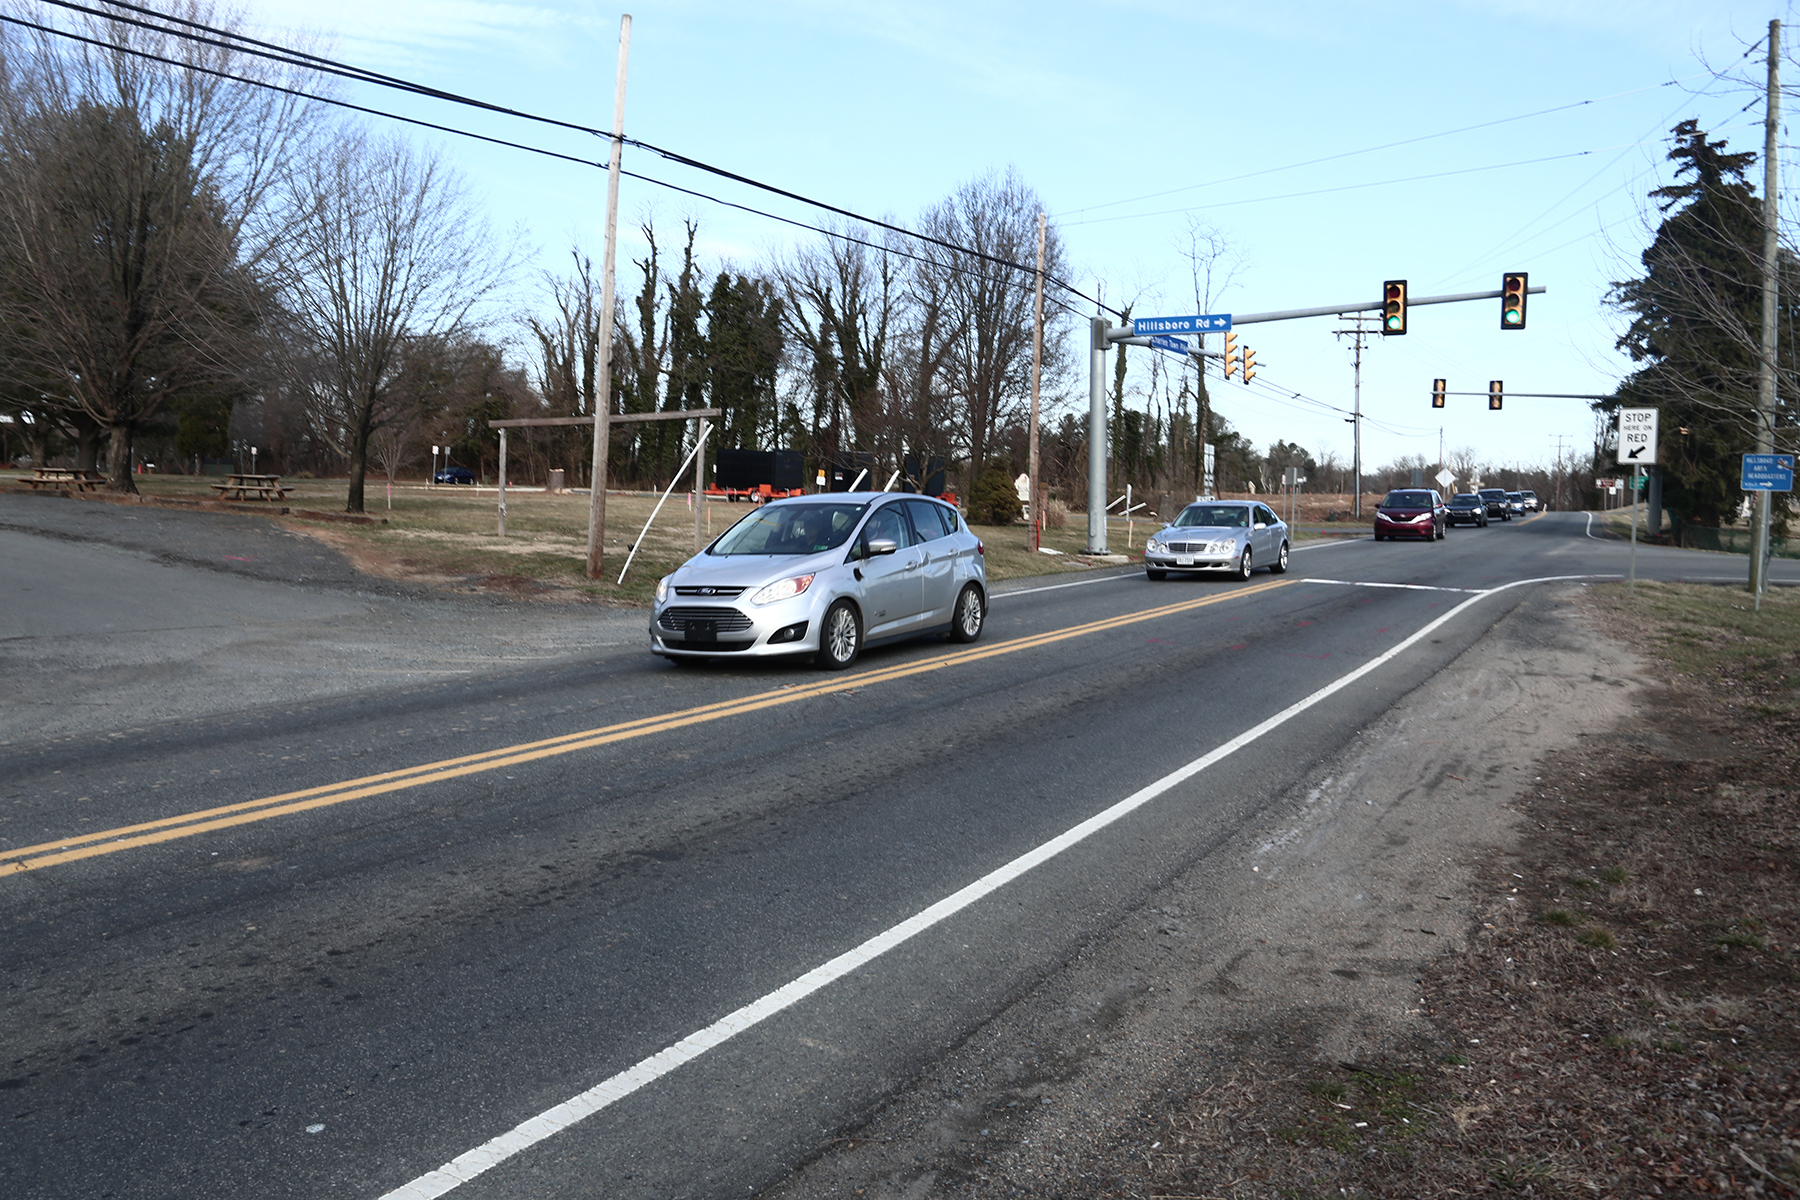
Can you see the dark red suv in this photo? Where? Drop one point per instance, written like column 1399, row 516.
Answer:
column 1410, row 513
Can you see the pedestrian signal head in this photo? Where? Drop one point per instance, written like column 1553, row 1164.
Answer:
column 1512, row 300
column 1393, row 306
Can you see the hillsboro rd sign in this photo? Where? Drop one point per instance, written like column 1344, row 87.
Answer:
column 1198, row 323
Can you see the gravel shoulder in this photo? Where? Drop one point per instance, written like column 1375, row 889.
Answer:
column 113, row 619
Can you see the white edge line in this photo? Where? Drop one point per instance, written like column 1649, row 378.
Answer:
column 1405, row 587
column 492, row 1153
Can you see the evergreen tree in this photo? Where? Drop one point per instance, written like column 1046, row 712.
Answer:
column 1696, row 328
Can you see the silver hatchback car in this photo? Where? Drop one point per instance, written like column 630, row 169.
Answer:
column 825, row 575
column 1235, row 536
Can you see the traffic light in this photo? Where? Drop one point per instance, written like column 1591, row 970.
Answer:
column 1512, row 300
column 1438, row 387
column 1249, row 364
column 1496, row 394
column 1231, row 355
column 1393, row 306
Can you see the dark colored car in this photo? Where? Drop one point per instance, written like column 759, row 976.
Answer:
column 454, row 475
column 1410, row 513
column 1497, row 506
column 1466, row 508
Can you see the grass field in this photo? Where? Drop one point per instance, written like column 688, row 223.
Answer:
column 450, row 535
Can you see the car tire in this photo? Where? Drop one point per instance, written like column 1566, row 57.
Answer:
column 840, row 636
column 1378, row 537
column 1280, row 565
column 1152, row 573
column 1442, row 529
column 1245, row 566
column 967, row 617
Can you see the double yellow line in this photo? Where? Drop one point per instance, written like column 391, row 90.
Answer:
column 150, row 833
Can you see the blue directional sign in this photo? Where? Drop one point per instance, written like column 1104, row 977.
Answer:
column 1174, row 345
column 1768, row 473
column 1198, row 323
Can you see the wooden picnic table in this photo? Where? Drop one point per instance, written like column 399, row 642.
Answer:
column 64, row 478
column 250, row 487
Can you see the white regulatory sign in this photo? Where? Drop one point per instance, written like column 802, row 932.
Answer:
column 1637, row 436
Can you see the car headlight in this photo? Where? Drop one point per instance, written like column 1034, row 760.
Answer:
column 785, row 589
column 1226, row 547
column 662, row 588
column 1153, row 546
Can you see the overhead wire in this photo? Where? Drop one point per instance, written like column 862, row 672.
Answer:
column 225, row 39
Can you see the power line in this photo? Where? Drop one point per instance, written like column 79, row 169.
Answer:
column 227, row 40
column 1313, row 162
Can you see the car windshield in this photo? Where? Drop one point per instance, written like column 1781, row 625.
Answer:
column 1466, row 498
column 1407, row 500
column 1492, row 494
column 1214, row 516
column 790, row 529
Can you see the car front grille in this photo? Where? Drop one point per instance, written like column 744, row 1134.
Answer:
column 730, row 620
column 713, row 593
column 1189, row 547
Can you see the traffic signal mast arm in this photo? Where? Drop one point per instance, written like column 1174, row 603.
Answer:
column 1332, row 310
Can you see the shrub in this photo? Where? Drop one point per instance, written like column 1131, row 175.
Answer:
column 994, row 500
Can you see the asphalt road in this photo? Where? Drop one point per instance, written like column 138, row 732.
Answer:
column 325, row 947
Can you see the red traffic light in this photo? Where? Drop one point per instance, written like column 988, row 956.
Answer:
column 1393, row 307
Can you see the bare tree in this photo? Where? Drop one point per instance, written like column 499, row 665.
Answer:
column 383, row 245
column 133, row 209
column 989, row 370
column 840, row 299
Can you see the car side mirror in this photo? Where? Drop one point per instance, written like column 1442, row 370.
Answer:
column 1261, row 525
column 881, row 546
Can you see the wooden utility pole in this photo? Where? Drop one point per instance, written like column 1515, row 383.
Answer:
column 1037, row 367
column 1771, row 285
column 603, row 368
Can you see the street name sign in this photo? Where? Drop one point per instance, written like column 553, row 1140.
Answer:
column 1637, row 436
column 1174, row 345
column 1198, row 323
column 1768, row 473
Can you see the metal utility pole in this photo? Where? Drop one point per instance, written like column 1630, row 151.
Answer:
column 1771, row 283
column 1097, row 437
column 603, row 367
column 1037, row 366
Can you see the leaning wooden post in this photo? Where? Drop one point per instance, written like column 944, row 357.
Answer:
column 503, row 483
column 603, row 367
column 700, row 484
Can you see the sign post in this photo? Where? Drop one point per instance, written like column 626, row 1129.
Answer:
column 1765, row 473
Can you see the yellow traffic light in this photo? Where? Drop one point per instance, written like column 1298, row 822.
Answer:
column 1231, row 355
column 1512, row 300
column 1249, row 364
column 1438, row 388
column 1496, row 394
column 1393, row 307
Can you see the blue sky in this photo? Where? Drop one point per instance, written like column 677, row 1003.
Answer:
column 886, row 108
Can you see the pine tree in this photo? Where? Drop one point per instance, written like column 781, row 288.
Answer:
column 1695, row 328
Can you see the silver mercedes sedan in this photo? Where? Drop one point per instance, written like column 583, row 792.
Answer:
column 825, row 575
column 1234, row 536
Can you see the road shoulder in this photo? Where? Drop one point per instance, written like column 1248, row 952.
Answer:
column 1301, row 941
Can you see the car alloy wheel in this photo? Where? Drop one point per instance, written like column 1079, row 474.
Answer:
column 840, row 636
column 965, row 623
column 1280, row 565
column 1244, row 567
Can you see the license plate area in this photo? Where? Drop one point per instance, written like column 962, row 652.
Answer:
column 1184, row 560
column 702, row 631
